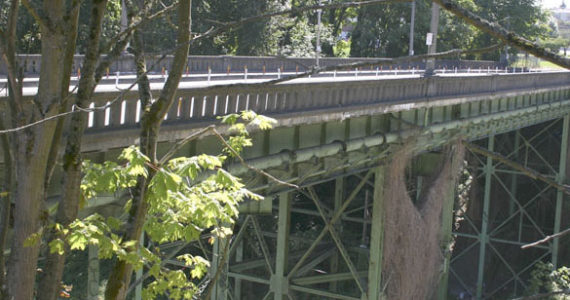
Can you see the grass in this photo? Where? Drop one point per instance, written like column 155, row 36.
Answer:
column 534, row 63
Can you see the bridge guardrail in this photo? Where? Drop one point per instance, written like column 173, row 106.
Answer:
column 203, row 105
column 31, row 63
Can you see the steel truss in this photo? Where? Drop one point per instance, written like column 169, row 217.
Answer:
column 508, row 209
column 320, row 246
column 325, row 240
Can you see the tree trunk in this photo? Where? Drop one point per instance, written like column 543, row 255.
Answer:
column 121, row 274
column 31, row 152
column 68, row 207
column 5, row 207
column 7, row 49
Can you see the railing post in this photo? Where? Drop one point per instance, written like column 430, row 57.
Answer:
column 131, row 111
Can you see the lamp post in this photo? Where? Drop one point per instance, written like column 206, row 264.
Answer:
column 318, row 48
column 412, row 22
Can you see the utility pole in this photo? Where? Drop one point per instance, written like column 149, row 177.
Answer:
column 318, row 50
column 431, row 39
column 412, row 22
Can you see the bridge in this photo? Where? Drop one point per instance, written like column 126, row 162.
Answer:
column 334, row 137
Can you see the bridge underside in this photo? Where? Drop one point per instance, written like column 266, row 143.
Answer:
column 324, row 241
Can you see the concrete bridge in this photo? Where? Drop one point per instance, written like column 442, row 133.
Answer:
column 332, row 136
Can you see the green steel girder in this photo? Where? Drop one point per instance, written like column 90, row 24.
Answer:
column 561, row 179
column 489, row 237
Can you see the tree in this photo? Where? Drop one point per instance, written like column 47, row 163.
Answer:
column 384, row 30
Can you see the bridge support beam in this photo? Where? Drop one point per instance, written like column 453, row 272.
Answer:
column 237, row 281
column 218, row 270
column 514, row 178
column 561, row 179
column 338, row 198
column 93, row 273
column 376, row 238
column 483, row 237
column 279, row 280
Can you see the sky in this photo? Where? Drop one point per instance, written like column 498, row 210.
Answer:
column 553, row 3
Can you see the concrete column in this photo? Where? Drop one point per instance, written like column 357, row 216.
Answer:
column 279, row 281
column 376, row 237
column 93, row 273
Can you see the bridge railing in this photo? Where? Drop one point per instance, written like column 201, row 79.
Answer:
column 196, row 106
column 31, row 63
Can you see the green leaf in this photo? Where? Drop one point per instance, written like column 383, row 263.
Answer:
column 33, row 239
column 229, row 119
column 57, row 246
column 77, row 241
column 114, row 223
column 227, row 180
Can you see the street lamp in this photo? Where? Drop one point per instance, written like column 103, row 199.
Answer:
column 413, row 20
column 318, row 50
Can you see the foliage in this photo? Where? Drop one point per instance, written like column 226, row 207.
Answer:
column 342, row 48
column 544, row 279
column 384, row 30
column 554, row 44
column 29, row 36
column 186, row 196
column 301, row 37
column 524, row 17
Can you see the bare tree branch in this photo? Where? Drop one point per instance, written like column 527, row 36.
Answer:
column 504, row 35
column 250, row 167
column 183, row 142
column 125, row 34
column 42, row 21
column 546, row 239
column 8, row 53
column 544, row 295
